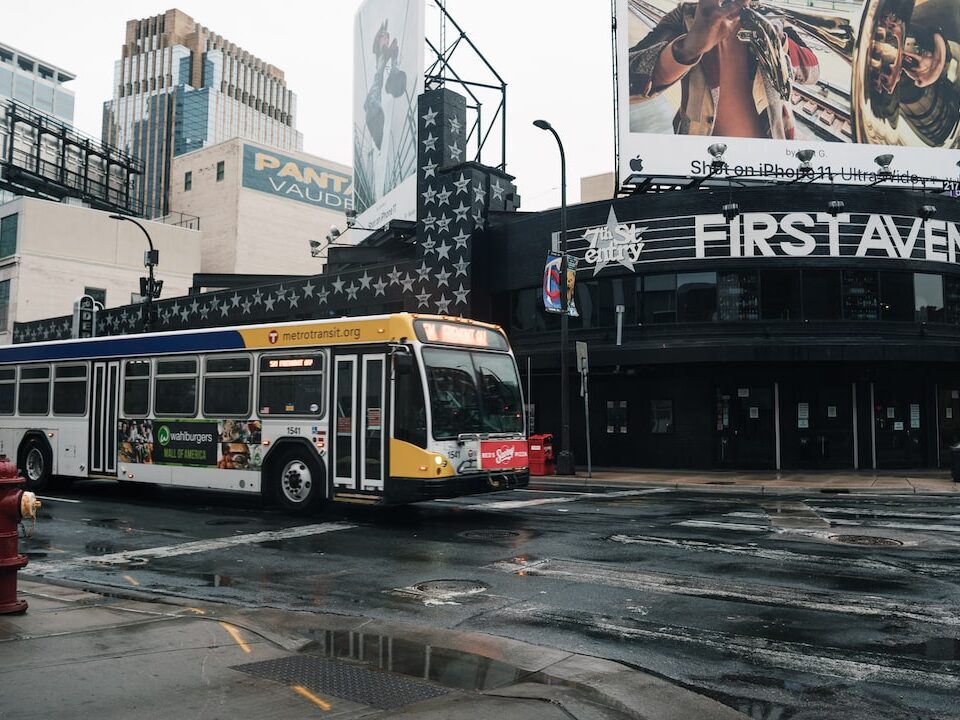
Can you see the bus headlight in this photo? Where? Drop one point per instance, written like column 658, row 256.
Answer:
column 438, row 459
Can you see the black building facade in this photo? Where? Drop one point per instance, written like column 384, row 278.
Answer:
column 785, row 337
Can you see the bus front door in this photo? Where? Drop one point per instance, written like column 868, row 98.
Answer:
column 104, row 399
column 358, row 422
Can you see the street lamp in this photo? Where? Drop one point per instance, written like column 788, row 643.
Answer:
column 565, row 464
column 150, row 289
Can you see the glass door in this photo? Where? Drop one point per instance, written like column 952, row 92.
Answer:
column 104, row 425
column 359, row 417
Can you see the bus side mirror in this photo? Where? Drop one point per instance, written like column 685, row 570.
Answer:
column 403, row 363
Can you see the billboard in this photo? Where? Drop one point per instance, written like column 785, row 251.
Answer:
column 849, row 80
column 277, row 174
column 388, row 78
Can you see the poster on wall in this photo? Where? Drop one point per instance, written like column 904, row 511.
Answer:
column 388, row 71
column 850, row 83
column 227, row 444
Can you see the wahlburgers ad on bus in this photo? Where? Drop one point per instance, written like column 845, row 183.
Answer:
column 227, row 444
column 849, row 81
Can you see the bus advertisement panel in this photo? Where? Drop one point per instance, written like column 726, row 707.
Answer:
column 849, row 81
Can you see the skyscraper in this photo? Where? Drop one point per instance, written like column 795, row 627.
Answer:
column 35, row 83
column 180, row 87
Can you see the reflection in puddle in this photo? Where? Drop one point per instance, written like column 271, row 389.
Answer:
column 218, row 580
column 451, row 668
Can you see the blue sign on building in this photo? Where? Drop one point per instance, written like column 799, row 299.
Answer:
column 288, row 177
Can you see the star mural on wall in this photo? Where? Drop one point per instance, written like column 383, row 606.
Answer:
column 429, row 196
column 308, row 289
column 338, row 286
column 442, row 276
column 379, row 286
column 423, row 299
column 394, row 276
column 430, row 142
column 423, row 273
column 461, row 295
column 462, row 184
column 443, row 197
column 443, row 251
column 461, row 239
column 365, row 280
column 455, row 152
column 460, row 213
column 443, row 304
column 430, row 118
column 430, row 170
column 497, row 190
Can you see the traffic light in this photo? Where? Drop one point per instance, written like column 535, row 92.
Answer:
column 84, row 317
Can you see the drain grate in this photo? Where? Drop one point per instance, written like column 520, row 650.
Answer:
column 349, row 682
column 493, row 534
column 871, row 540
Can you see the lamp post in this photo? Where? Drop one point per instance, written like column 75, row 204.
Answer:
column 565, row 464
column 150, row 260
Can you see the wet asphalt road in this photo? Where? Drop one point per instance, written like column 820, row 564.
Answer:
column 823, row 606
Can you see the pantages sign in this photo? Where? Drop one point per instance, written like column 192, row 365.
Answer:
column 756, row 235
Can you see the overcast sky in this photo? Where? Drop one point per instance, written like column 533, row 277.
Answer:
column 554, row 56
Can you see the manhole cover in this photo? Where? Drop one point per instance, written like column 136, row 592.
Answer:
column 445, row 589
column 229, row 521
column 489, row 534
column 871, row 540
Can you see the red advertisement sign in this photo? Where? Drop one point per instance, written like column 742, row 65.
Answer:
column 503, row 454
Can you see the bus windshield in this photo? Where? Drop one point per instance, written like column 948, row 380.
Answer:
column 472, row 392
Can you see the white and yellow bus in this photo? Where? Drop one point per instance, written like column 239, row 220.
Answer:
column 378, row 409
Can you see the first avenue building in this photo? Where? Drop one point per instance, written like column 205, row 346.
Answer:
column 801, row 326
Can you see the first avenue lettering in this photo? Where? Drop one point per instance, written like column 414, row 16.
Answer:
column 801, row 234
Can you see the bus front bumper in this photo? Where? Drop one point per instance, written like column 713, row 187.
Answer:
column 409, row 490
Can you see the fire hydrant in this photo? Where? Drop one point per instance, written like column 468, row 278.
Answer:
column 15, row 505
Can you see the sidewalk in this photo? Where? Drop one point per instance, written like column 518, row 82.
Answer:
column 920, row 482
column 80, row 654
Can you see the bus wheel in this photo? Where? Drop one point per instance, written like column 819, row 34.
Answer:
column 35, row 465
column 298, row 483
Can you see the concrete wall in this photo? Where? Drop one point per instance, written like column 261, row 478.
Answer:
column 62, row 248
column 247, row 230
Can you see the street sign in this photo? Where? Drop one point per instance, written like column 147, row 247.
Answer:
column 582, row 357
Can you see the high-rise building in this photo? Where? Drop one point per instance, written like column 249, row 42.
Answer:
column 35, row 83
column 179, row 87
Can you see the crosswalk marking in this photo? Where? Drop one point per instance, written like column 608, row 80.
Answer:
column 191, row 548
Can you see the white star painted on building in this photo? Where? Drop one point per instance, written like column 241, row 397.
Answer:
column 615, row 243
column 379, row 286
column 443, row 224
column 269, row 302
column 478, row 219
column 407, row 282
column 423, row 273
column 423, row 299
column 455, row 151
column 454, row 125
column 497, row 190
column 443, row 197
column 443, row 304
column 176, row 308
column 430, row 170
column 308, row 289
column 428, row 246
column 337, row 286
column 443, row 251
column 429, row 221
column 246, row 307
column 429, row 196
column 235, row 301
column 281, row 294
column 352, row 291
column 322, row 296
column 204, row 311
column 394, row 276
column 258, row 297
column 442, row 277
column 224, row 309
column 365, row 281
column 461, row 295
column 461, row 239
column 185, row 315
column 293, row 299
column 479, row 194
column 460, row 213
column 461, row 184
column 430, row 143
column 430, row 118
column 461, row 267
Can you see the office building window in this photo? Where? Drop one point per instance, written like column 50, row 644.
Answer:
column 928, row 297
column 187, row 181
column 738, row 295
column 98, row 294
column 220, row 168
column 4, row 305
column 8, row 235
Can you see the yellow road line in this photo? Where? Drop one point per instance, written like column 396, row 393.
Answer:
column 237, row 637
column 318, row 701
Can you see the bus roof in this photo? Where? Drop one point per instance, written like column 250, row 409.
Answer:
column 395, row 327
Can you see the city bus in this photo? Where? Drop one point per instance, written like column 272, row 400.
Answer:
column 385, row 409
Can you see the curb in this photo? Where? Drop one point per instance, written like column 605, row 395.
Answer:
column 601, row 487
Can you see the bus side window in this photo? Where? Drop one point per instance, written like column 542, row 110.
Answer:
column 8, row 390
column 175, row 387
column 136, row 388
column 34, row 390
column 410, row 411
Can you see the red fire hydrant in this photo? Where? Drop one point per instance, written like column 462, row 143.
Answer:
column 15, row 505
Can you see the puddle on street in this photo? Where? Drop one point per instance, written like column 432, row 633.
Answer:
column 218, row 580
column 940, row 649
column 450, row 668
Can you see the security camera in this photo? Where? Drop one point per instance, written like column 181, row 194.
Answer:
column 835, row 207
column 928, row 211
column 730, row 211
